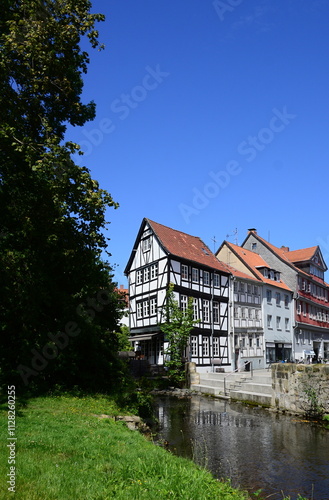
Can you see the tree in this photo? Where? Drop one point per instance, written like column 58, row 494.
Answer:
column 177, row 328
column 52, row 219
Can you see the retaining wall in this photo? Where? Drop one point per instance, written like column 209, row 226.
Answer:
column 296, row 386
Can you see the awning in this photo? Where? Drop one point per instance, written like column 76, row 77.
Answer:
column 139, row 338
column 309, row 353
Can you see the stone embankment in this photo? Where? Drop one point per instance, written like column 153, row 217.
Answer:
column 286, row 387
column 300, row 388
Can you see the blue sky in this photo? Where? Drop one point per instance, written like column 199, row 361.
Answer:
column 212, row 118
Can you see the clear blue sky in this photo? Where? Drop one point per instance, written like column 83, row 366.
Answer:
column 211, row 117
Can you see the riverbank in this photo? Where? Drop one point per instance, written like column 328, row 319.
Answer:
column 68, row 447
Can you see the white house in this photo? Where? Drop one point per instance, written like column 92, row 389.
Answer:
column 161, row 256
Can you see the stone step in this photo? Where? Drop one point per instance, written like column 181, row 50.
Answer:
column 253, row 397
column 255, row 387
column 208, row 389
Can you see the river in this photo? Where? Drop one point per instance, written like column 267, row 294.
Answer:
column 255, row 448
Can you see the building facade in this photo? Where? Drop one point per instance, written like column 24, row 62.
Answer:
column 303, row 271
column 262, row 309
column 163, row 256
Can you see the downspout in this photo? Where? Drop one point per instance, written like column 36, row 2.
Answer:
column 212, row 322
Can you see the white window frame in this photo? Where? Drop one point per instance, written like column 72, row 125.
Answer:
column 215, row 347
column 216, row 312
column 183, row 302
column 184, row 272
column 205, row 310
column 146, row 244
column 194, row 345
column 206, row 278
column 195, row 275
column 154, row 271
column 205, row 346
column 216, row 280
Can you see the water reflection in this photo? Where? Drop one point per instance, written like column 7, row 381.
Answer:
column 255, row 448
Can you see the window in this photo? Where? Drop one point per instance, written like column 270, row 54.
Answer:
column 286, row 300
column 257, row 341
column 216, row 312
column 206, row 278
column 272, row 275
column 195, row 309
column 299, row 309
column 153, row 306
column 286, row 323
column 250, row 341
column 215, row 347
column 265, row 272
column 154, row 271
column 277, row 276
column 184, row 272
column 205, row 346
column 183, row 302
column 248, row 288
column 216, row 280
column 235, row 286
column 278, row 298
column 146, row 244
column 269, row 321
column 139, row 310
column 195, row 275
column 139, row 277
column 194, row 345
column 269, row 296
column 254, row 247
column 146, row 308
column 146, row 274
column 255, row 290
column 250, row 313
column 205, row 311
column 278, row 322
column 236, row 312
column 241, row 287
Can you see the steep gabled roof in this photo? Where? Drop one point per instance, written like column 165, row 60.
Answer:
column 290, row 257
column 182, row 245
column 254, row 262
column 185, row 246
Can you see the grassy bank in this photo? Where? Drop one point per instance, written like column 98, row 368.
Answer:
column 64, row 451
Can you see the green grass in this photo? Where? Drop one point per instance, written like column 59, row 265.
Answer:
column 65, row 452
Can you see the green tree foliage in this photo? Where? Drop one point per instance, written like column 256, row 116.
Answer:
column 52, row 218
column 177, row 329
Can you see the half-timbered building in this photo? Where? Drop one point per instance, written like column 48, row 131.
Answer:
column 161, row 256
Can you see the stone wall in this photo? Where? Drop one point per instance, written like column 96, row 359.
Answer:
column 295, row 387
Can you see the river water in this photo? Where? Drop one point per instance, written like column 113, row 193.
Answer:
column 255, row 448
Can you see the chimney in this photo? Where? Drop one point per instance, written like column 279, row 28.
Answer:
column 285, row 249
column 252, row 229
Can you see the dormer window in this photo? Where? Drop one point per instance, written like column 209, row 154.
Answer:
column 265, row 272
column 272, row 275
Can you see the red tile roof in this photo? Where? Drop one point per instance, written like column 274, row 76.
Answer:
column 185, row 246
column 254, row 261
column 305, row 254
column 291, row 257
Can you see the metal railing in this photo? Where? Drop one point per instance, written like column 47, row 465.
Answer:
column 236, row 371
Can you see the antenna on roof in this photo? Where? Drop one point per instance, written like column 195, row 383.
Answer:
column 215, row 241
column 235, row 233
